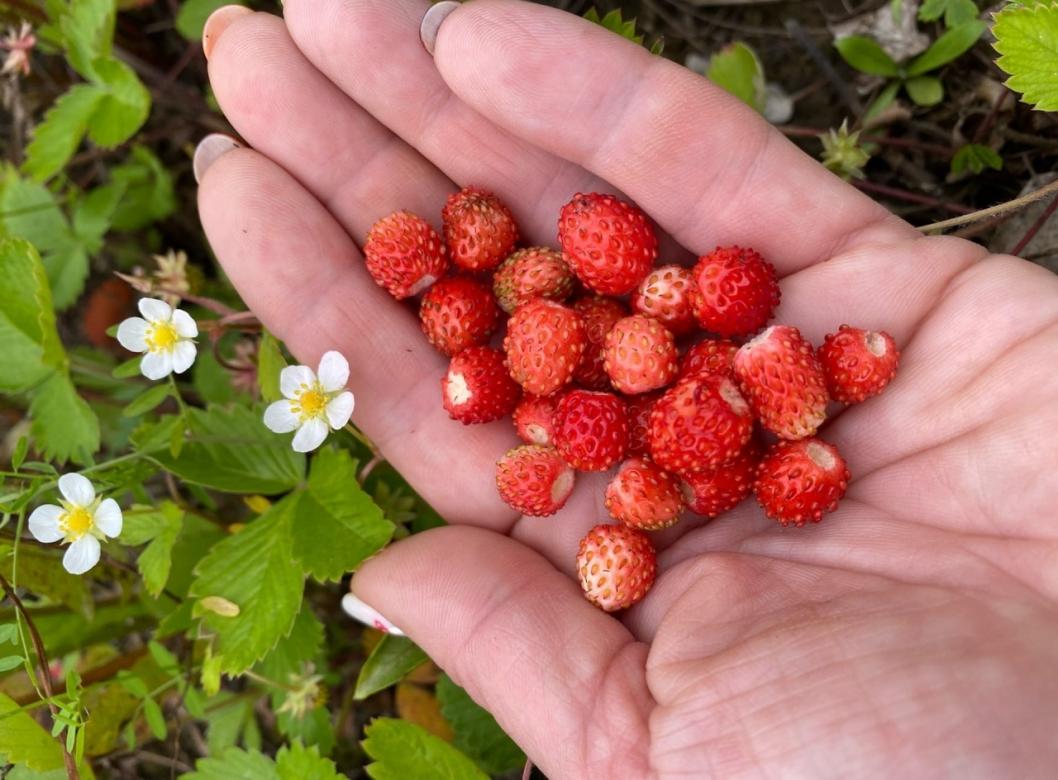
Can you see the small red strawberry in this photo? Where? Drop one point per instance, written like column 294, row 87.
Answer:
column 457, row 313
column 858, row 363
column 712, row 492
column 737, row 291
column 609, row 244
column 404, row 255
column 537, row 272
column 799, row 481
column 479, row 230
column 667, row 295
column 533, row 418
column 476, row 388
column 617, row 565
column 544, row 344
column 534, row 480
column 591, row 429
column 639, row 407
column 713, row 356
column 783, row 382
column 640, row 355
column 600, row 315
column 644, row 496
column 700, row 423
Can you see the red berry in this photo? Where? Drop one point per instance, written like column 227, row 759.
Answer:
column 617, row 565
column 591, row 429
column 858, row 363
column 783, row 382
column 714, row 491
column 544, row 344
column 600, row 315
column 533, row 418
column 479, row 230
column 639, row 407
column 536, row 272
column 404, row 255
column 609, row 244
column 534, row 480
column 713, row 356
column 642, row 495
column 737, row 291
column 799, row 481
column 457, row 313
column 701, row 423
column 667, row 295
column 476, row 388
column 640, row 355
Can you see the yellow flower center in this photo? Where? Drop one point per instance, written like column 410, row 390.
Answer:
column 76, row 522
column 311, row 403
column 162, row 337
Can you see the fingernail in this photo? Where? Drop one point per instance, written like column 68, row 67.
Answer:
column 431, row 23
column 217, row 23
column 209, row 149
column 369, row 616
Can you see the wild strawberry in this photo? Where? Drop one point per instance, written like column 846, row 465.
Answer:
column 783, row 382
column 544, row 344
column 714, row 491
column 713, row 356
column 457, row 313
column 642, row 495
column 533, row 418
column 799, row 481
column 667, row 295
column 534, row 480
column 617, row 565
column 537, row 272
column 591, row 429
column 639, row 407
column 700, row 423
column 404, row 255
column 476, row 388
column 737, row 291
column 479, row 230
column 640, row 355
column 609, row 244
column 857, row 363
column 600, row 315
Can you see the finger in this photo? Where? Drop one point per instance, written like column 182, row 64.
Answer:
column 301, row 274
column 526, row 645
column 708, row 168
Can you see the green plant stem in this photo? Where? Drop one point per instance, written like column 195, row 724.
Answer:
column 179, row 398
column 357, row 434
column 269, row 683
column 993, row 211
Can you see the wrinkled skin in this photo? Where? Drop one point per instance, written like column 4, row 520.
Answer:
column 911, row 634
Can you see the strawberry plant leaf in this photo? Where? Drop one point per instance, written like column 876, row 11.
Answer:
column 37, row 570
column 26, row 322
column 24, row 741
column 87, row 28
column 402, row 750
column 947, row 47
column 147, row 400
column 476, row 732
column 58, row 136
column 1027, row 41
column 392, row 659
column 975, row 158
column 925, row 90
column 124, row 106
column 234, row 764
column 64, row 425
column 955, row 12
column 159, row 529
column 866, row 56
column 147, row 194
column 297, row 762
column 191, row 17
column 270, row 362
column 737, row 69
column 92, row 215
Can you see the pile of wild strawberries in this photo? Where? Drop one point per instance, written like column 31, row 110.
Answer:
column 591, row 373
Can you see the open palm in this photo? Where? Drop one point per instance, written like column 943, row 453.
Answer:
column 912, row 633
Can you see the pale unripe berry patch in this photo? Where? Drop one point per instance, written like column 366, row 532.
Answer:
column 734, row 398
column 876, row 344
column 821, row 455
column 562, row 486
column 537, row 434
column 457, row 388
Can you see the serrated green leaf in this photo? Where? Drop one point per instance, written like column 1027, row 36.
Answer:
column 24, row 741
column 297, row 762
column 476, row 732
column 947, row 47
column 402, row 750
column 58, row 136
column 28, row 340
column 866, row 56
column 148, row 194
column 925, row 90
column 226, row 718
column 124, row 106
column 147, row 400
column 234, row 764
column 301, row 646
column 87, row 28
column 975, row 158
column 64, row 425
column 388, row 664
column 40, row 570
column 92, row 215
column 192, row 16
column 955, row 12
column 1027, row 40
column 211, row 380
column 737, row 69
column 159, row 529
column 270, row 362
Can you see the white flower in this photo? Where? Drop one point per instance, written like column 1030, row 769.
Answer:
column 165, row 334
column 81, row 522
column 312, row 404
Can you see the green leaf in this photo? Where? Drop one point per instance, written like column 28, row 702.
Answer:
column 737, row 69
column 24, row 741
column 252, row 569
column 955, row 12
column 8, row 633
column 58, row 136
column 947, row 47
column 402, row 750
column 883, row 101
column 148, row 194
column 159, row 529
column 18, row 457
column 28, row 340
column 866, row 56
column 128, row 369
column 301, row 646
column 147, row 400
column 124, row 106
column 1027, row 40
column 192, row 16
column 975, row 158
column 392, row 659
column 92, row 215
column 227, row 717
column 155, row 719
column 296, row 762
column 64, row 425
column 338, row 524
column 9, row 662
column 270, row 362
column 211, row 380
column 476, row 732
column 40, row 570
column 88, row 31
column 234, row 764
column 925, row 90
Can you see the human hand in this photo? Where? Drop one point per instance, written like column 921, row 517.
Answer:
column 911, row 632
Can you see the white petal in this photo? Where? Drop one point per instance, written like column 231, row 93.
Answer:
column 184, row 324
column 310, row 435
column 279, row 418
column 82, row 555
column 340, row 409
column 334, row 371
column 157, row 365
column 132, row 334
column 44, row 523
column 292, row 378
column 108, row 517
column 77, row 489
column 155, row 310
column 183, row 356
